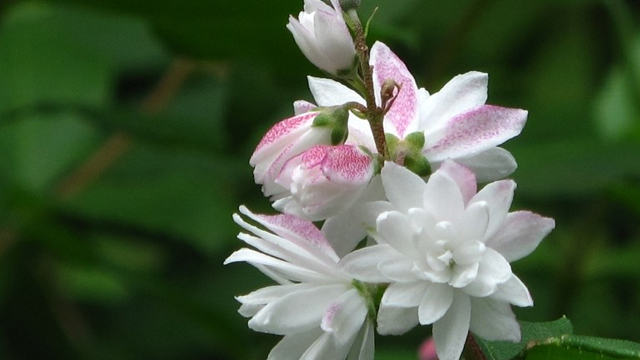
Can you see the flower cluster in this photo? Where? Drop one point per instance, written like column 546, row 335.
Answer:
column 391, row 172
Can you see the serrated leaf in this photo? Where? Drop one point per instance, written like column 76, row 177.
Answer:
column 504, row 350
column 584, row 348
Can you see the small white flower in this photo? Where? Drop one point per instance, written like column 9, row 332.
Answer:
column 315, row 306
column 445, row 250
column 323, row 37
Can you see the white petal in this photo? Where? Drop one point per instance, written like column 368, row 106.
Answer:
column 364, row 346
column 396, row 229
column 493, row 164
column 291, row 347
column 442, row 198
column 400, row 269
column 494, row 270
column 404, row 189
column 436, row 302
column 404, row 294
column 520, row 234
column 325, row 348
column 271, row 293
column 493, row 320
column 450, row 332
column 477, row 219
column 463, row 93
column 290, row 271
column 514, row 292
column 464, row 177
column 328, row 92
column 305, row 39
column 362, row 264
column 395, row 320
column 345, row 317
column 296, row 312
column 498, row 196
column 334, row 40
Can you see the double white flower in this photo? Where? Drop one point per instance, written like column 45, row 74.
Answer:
column 445, row 250
column 316, row 305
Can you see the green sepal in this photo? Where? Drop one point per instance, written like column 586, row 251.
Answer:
column 336, row 119
column 415, row 139
column 418, row 164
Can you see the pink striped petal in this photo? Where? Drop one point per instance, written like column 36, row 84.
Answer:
column 473, row 132
column 462, row 93
column 402, row 118
column 278, row 138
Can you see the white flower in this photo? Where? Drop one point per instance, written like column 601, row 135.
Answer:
column 324, row 181
column 455, row 122
column 445, row 250
column 315, row 306
column 322, row 34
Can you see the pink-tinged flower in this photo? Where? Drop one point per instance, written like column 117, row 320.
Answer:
column 323, row 181
column 315, row 304
column 323, row 37
column 455, row 121
column 445, row 249
column 290, row 138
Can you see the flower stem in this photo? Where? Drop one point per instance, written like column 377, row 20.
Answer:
column 472, row 350
column 374, row 114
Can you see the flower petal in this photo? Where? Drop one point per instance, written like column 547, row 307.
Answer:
column 291, row 347
column 493, row 271
column 298, row 311
column 473, row 132
column 489, row 165
column 362, row 264
column 520, row 234
column 395, row 229
column 396, row 320
column 514, row 292
column 498, row 196
column 334, row 40
column 436, row 302
column 493, row 320
column 442, row 198
column 402, row 117
column 464, row 177
column 364, row 346
column 461, row 94
column 328, row 92
column 450, row 332
column 300, row 232
column 345, row 317
column 277, row 139
column 403, row 188
column 404, row 294
column 302, row 106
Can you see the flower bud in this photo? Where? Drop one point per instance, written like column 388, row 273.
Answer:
column 324, row 181
column 323, row 36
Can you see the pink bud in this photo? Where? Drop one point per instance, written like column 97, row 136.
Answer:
column 324, row 181
column 428, row 350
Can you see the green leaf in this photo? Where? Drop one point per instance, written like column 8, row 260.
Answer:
column 41, row 147
column 181, row 193
column 584, row 348
column 504, row 350
column 53, row 54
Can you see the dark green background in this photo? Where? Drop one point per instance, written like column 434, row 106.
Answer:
column 126, row 128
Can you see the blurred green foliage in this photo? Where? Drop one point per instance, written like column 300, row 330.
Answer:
column 126, row 128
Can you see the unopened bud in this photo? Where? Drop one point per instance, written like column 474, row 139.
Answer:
column 346, row 5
